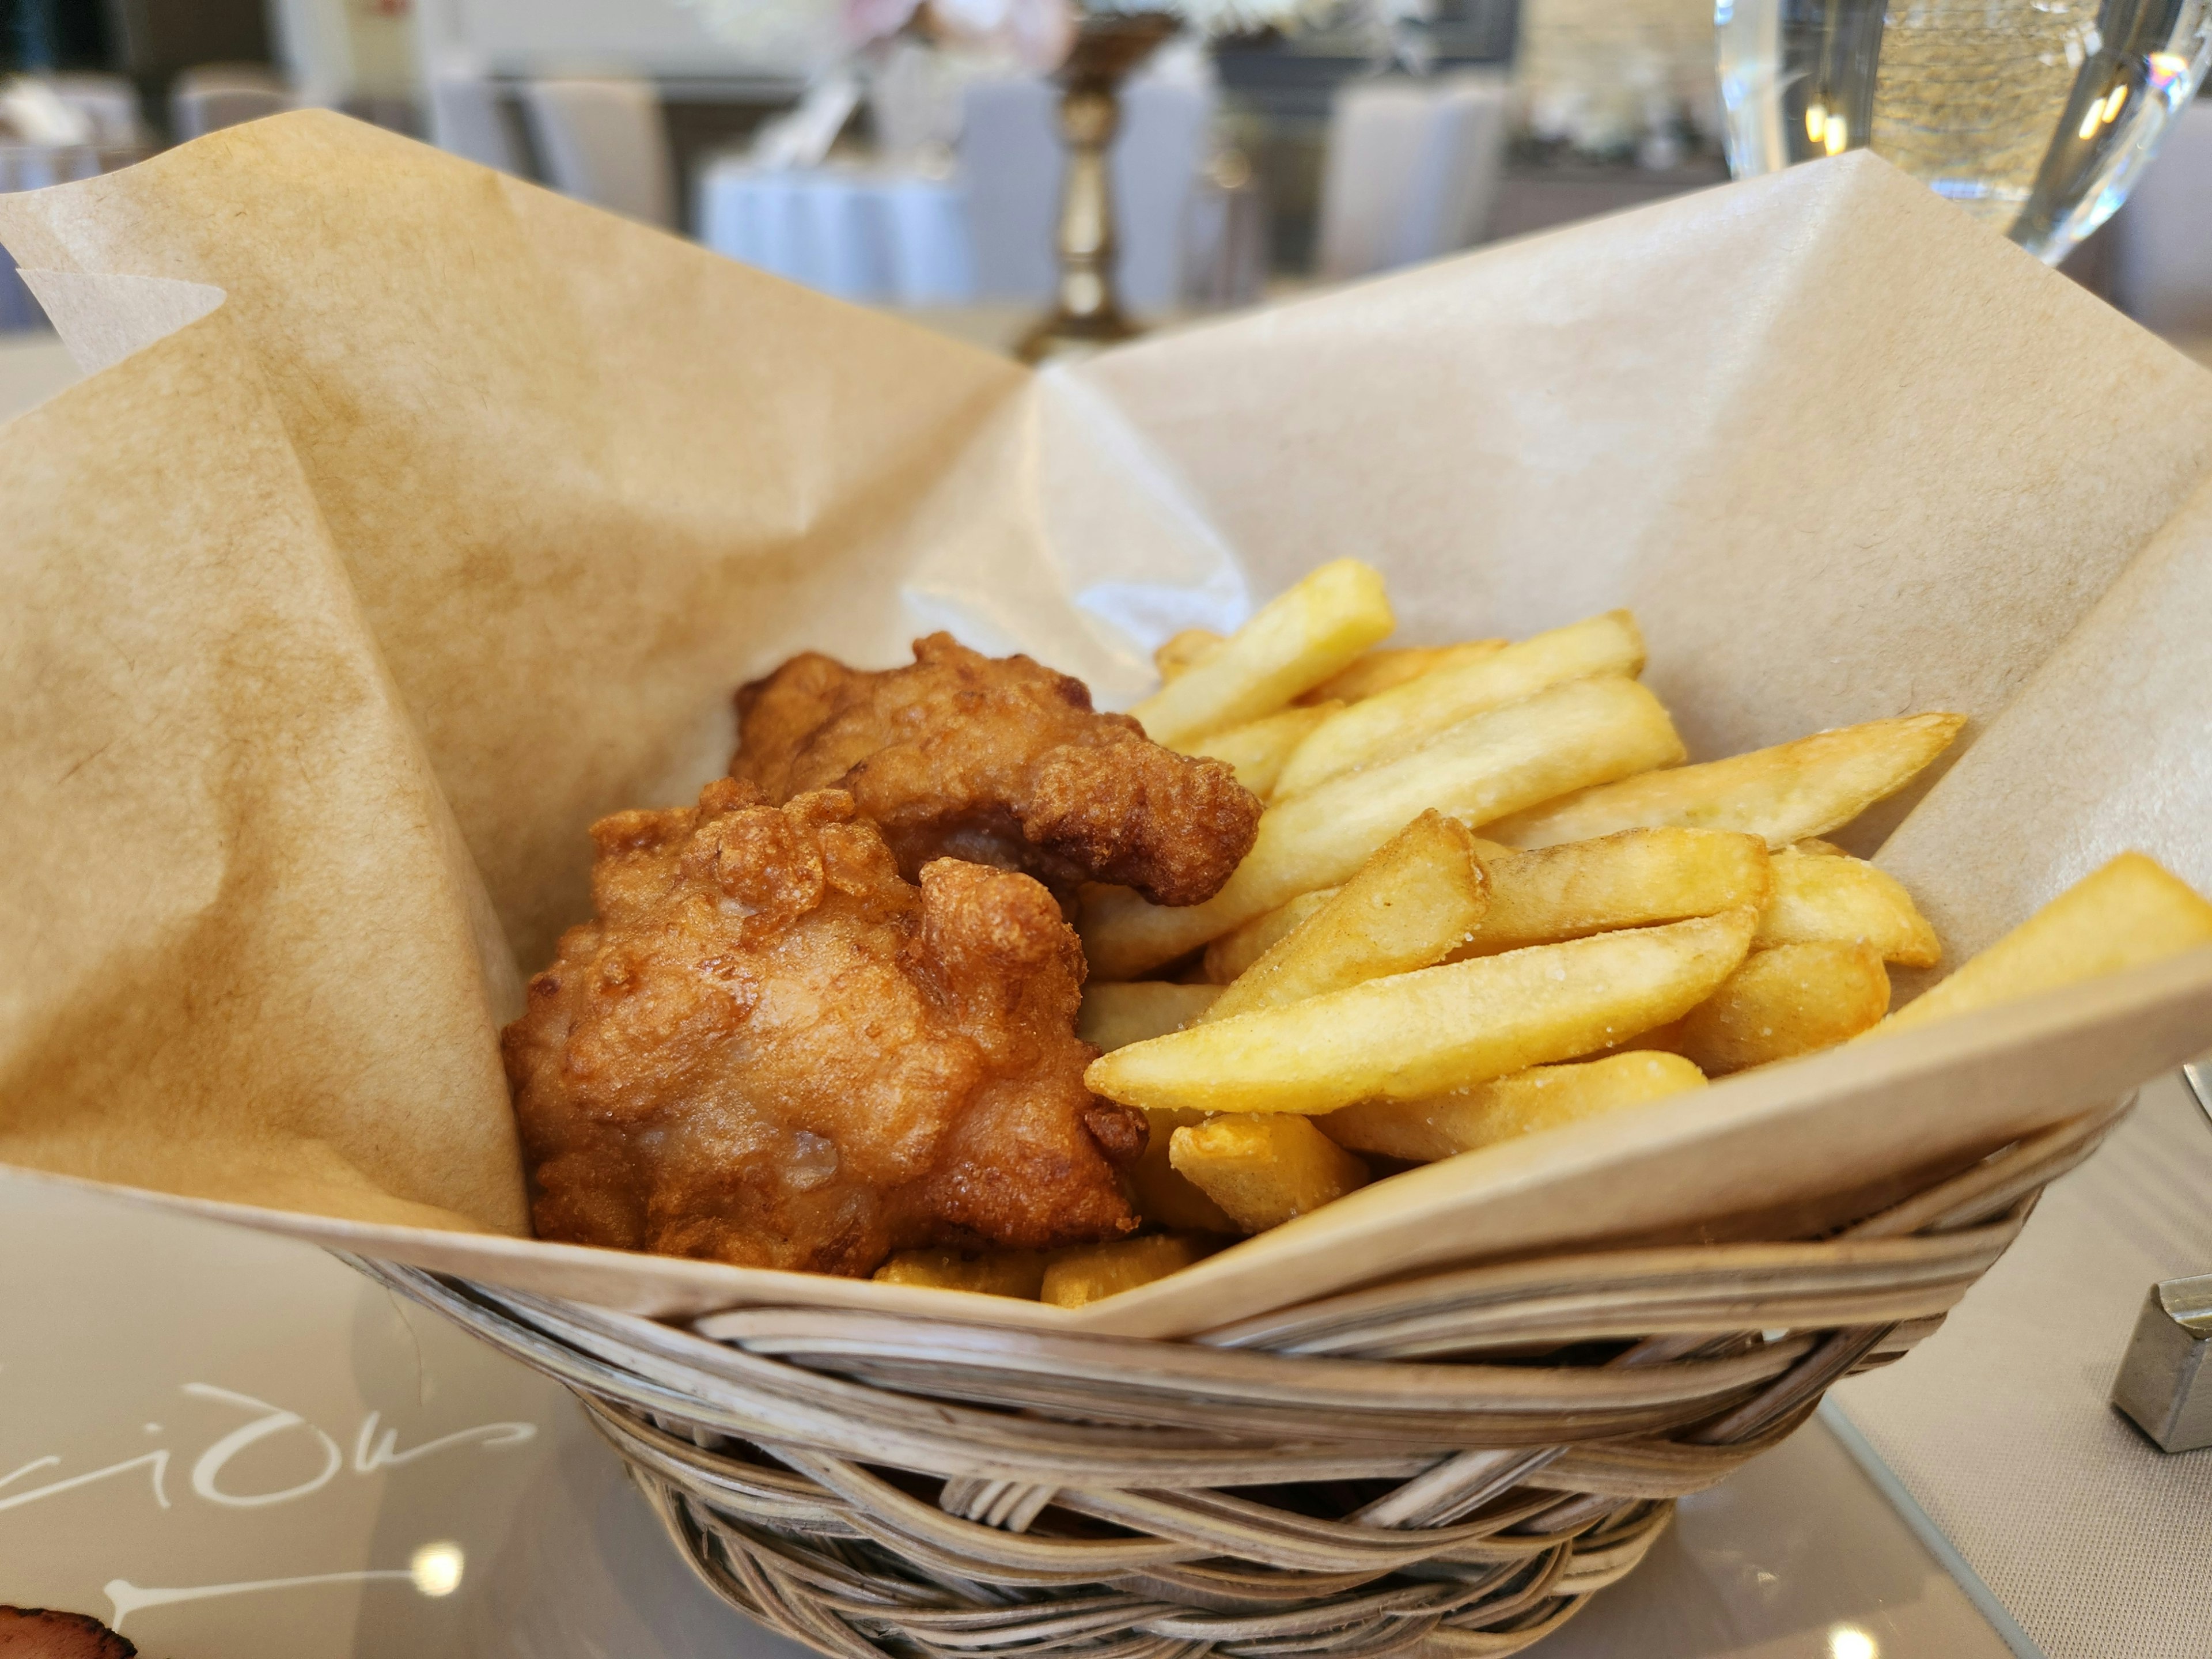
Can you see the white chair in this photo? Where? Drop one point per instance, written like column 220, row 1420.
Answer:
column 1011, row 157
column 110, row 102
column 468, row 118
column 215, row 95
column 603, row 140
column 2162, row 264
column 1412, row 168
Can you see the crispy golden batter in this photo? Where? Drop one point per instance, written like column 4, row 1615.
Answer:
column 998, row 760
column 769, row 1048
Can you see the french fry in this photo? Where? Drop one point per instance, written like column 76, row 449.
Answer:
column 1186, row 651
column 1114, row 1015
column 1627, row 880
column 1264, row 1170
column 1565, row 738
column 1417, row 897
column 1162, row 1198
column 1507, row 1108
column 1435, row 1030
column 2130, row 912
column 1088, row 1273
column 1784, row 794
column 1237, row 949
column 1379, row 670
column 1298, row 640
column 1018, row 1273
column 1257, row 749
column 1373, row 731
column 1820, row 893
column 1783, row 1002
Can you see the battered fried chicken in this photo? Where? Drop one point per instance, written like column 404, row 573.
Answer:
column 1000, row 761
column 770, row 1048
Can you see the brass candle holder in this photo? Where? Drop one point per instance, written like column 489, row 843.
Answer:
column 1087, row 314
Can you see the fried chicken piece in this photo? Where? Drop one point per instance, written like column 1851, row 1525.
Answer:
column 1000, row 761
column 41, row 1634
column 769, row 1048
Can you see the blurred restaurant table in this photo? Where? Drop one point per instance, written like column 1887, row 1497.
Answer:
column 242, row 1448
column 856, row 232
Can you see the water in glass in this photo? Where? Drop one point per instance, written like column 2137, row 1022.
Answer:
column 2034, row 115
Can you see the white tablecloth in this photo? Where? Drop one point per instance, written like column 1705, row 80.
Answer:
column 861, row 234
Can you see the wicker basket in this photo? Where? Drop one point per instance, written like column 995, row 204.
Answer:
column 1449, row 1464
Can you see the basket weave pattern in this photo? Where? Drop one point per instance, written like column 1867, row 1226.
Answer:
column 1447, row 1465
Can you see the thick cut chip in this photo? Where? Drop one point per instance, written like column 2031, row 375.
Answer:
column 1628, row 880
column 1264, row 1170
column 1114, row 1015
column 1186, row 651
column 1783, row 1002
column 1163, row 1199
column 1783, row 793
column 1090, row 1273
column 1256, row 751
column 1507, row 1108
column 1821, row 893
column 1298, row 640
column 1483, row 769
column 1379, row 670
column 1421, row 894
column 1441, row 1028
column 2131, row 913
column 1018, row 1273
column 1385, row 726
column 1237, row 949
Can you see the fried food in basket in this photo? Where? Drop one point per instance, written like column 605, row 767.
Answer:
column 1298, row 640
column 2127, row 914
column 1393, row 720
column 996, row 761
column 1436, row 1029
column 1507, row 1108
column 1630, row 879
column 772, row 1048
column 1821, row 892
column 1785, row 1001
column 769, row 1048
column 1264, row 1169
column 1421, row 894
column 1583, row 733
column 1785, row 793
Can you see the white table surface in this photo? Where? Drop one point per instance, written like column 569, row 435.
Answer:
column 246, row 1451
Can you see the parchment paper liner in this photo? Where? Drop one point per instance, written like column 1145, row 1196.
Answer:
column 419, row 517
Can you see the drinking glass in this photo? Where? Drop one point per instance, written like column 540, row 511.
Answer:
column 2036, row 116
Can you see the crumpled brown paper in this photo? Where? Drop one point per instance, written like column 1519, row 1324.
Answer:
column 423, row 517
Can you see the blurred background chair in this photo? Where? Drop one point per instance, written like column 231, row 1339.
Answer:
column 470, row 118
column 1412, row 168
column 108, row 102
column 211, row 96
column 602, row 140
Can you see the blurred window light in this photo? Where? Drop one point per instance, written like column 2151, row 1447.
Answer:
column 1816, row 122
column 1850, row 1642
column 436, row 1569
column 1838, row 135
